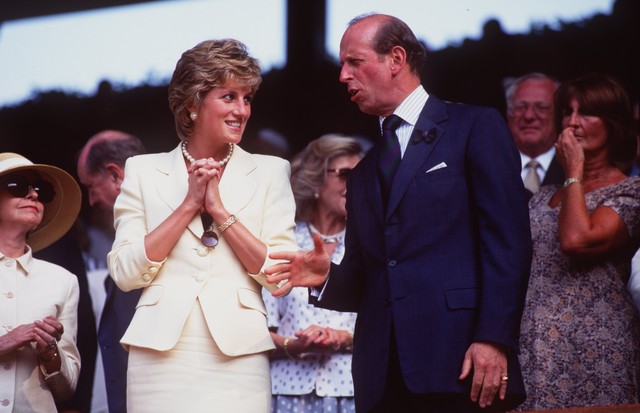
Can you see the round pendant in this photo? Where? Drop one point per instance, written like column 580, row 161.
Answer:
column 209, row 239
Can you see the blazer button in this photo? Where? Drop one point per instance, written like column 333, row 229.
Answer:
column 146, row 276
column 392, row 263
column 9, row 294
column 5, row 402
column 387, row 302
column 153, row 270
column 202, row 251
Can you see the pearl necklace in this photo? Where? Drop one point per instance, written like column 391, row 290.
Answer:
column 327, row 239
column 191, row 159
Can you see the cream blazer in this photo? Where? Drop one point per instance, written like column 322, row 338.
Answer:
column 254, row 188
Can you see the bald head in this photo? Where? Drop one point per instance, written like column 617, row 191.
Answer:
column 101, row 165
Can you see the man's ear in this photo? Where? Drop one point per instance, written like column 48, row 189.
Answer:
column 114, row 172
column 398, row 59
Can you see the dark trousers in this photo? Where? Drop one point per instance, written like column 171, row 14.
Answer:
column 398, row 398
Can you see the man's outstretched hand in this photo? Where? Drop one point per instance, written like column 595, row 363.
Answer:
column 300, row 269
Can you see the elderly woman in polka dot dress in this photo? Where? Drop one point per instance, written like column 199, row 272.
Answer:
column 311, row 365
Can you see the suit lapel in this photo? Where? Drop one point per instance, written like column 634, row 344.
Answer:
column 371, row 185
column 426, row 135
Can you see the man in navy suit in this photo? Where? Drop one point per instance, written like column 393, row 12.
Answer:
column 530, row 109
column 101, row 170
column 438, row 272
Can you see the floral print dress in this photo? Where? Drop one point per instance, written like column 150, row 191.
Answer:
column 580, row 331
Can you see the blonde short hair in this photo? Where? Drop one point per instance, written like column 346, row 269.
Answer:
column 309, row 169
column 209, row 64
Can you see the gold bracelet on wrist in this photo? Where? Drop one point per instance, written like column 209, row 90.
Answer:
column 570, row 181
column 227, row 223
column 286, row 350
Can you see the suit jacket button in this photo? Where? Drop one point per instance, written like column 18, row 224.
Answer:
column 5, row 402
column 387, row 302
column 146, row 276
column 392, row 263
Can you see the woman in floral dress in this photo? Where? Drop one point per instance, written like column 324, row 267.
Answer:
column 580, row 333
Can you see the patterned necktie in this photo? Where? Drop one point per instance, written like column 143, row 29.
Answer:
column 389, row 155
column 532, row 180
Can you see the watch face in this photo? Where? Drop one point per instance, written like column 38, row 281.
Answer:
column 209, row 239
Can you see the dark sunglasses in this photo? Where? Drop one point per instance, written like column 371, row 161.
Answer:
column 341, row 173
column 19, row 186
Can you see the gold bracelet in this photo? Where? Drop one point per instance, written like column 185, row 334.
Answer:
column 227, row 223
column 570, row 181
column 286, row 350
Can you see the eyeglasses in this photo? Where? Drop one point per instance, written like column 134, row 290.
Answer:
column 341, row 173
column 541, row 109
column 19, row 186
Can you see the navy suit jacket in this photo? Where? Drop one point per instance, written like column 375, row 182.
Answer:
column 446, row 265
column 117, row 313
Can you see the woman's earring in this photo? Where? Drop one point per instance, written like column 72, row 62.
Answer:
column 316, row 195
column 193, row 116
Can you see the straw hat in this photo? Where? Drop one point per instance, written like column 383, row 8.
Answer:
column 59, row 214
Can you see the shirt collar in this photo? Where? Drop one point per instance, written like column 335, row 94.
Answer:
column 544, row 160
column 25, row 261
column 410, row 108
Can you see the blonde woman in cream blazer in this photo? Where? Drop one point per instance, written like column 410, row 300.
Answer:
column 199, row 340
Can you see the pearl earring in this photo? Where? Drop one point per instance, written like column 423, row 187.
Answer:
column 193, row 116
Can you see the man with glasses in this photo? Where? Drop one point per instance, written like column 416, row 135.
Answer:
column 530, row 119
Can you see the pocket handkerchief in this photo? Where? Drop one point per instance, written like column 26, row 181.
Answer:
column 438, row 166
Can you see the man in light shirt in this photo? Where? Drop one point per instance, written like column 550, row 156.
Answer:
column 530, row 116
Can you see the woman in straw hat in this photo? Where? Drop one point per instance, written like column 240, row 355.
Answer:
column 38, row 300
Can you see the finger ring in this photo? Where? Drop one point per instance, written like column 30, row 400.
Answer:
column 53, row 344
column 505, row 378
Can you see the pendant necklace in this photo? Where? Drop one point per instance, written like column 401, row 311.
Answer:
column 208, row 238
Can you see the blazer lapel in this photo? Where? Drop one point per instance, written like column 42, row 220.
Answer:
column 426, row 135
column 172, row 185
column 237, row 174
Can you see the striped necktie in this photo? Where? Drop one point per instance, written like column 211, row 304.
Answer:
column 532, row 179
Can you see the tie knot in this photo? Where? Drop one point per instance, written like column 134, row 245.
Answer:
column 391, row 122
column 533, row 164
